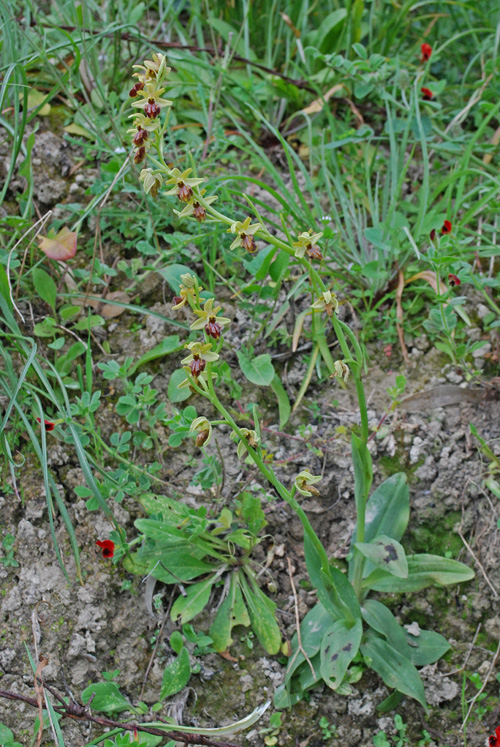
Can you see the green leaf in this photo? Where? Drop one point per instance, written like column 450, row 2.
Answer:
column 339, row 646
column 283, row 401
column 173, row 392
column 363, row 472
column 312, row 630
column 4, row 287
column 259, row 370
column 423, row 570
column 167, row 345
column 231, row 612
column 108, row 698
column 427, row 647
column 385, row 553
column 261, row 611
column 327, row 595
column 172, row 274
column 176, row 675
column 381, row 619
column 387, row 513
column 45, row 286
column 396, row 671
column 193, row 603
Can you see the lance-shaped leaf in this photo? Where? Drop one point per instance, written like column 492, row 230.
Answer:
column 107, row 698
column 339, row 646
column 231, row 612
column 385, row 553
column 423, row 570
column 261, row 611
column 396, row 670
column 381, row 619
column 62, row 246
column 312, row 630
column 196, row 599
column 176, row 674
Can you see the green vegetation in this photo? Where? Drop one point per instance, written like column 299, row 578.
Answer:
column 329, row 173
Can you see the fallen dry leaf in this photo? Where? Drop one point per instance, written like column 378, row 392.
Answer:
column 61, row 247
column 106, row 309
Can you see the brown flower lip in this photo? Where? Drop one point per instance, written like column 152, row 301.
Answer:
column 202, row 437
column 199, row 212
column 197, row 365
column 152, row 109
column 248, row 242
column 140, row 155
column 213, row 328
column 313, row 252
column 185, row 192
column 140, row 137
column 135, row 89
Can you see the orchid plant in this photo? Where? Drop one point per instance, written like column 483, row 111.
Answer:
column 346, row 630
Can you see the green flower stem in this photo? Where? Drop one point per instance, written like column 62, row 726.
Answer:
column 288, row 496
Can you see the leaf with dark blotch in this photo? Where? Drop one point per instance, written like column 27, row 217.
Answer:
column 339, row 646
column 385, row 553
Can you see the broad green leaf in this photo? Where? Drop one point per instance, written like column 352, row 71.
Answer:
column 6, row 736
column 108, row 698
column 175, row 566
column 176, row 675
column 347, row 595
column 231, row 612
column 166, row 346
column 45, row 286
column 396, row 671
column 257, row 369
column 339, row 646
column 387, row 512
column 381, row 619
column 258, row 266
column 312, row 630
column 173, row 392
column 193, row 603
column 385, row 553
column 172, row 274
column 283, row 401
column 427, row 647
column 327, row 595
column 423, row 570
column 261, row 611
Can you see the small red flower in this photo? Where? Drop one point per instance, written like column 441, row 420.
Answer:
column 453, row 279
column 107, row 547
column 213, row 328
column 388, row 350
column 494, row 741
column 426, row 51
column 446, row 227
column 427, row 94
column 152, row 109
column 48, row 425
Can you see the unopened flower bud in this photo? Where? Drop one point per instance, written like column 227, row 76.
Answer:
column 184, row 192
column 188, row 281
column 203, row 427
